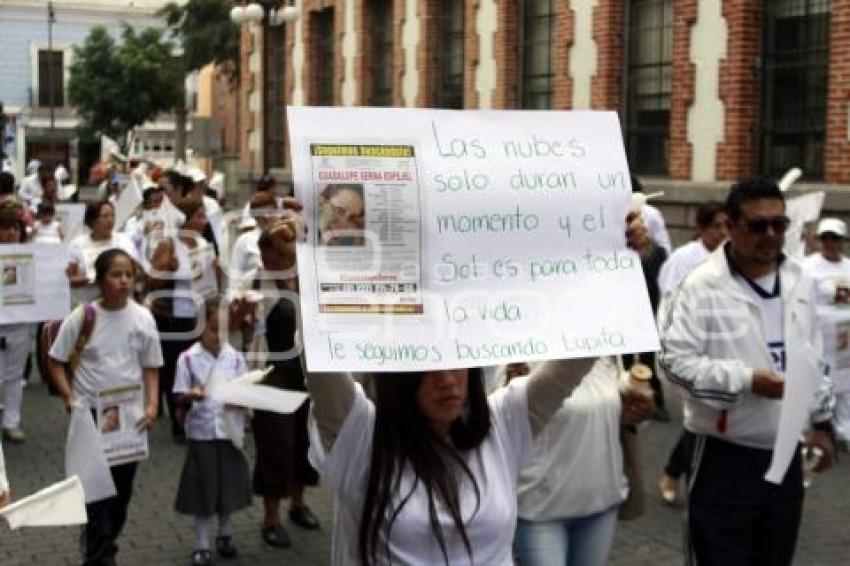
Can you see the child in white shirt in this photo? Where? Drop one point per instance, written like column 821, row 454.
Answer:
column 215, row 478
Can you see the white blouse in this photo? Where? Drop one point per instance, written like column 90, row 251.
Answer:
column 495, row 465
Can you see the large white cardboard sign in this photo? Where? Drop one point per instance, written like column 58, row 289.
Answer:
column 445, row 239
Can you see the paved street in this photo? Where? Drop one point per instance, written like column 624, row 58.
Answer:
column 156, row 535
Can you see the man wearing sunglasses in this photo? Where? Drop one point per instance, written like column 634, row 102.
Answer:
column 732, row 325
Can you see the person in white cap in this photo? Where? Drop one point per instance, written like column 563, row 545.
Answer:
column 830, row 269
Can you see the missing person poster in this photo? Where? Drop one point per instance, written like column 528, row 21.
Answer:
column 367, row 217
column 835, row 324
column 33, row 283
column 444, row 239
column 117, row 412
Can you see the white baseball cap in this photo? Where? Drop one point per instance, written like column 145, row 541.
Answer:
column 832, row 225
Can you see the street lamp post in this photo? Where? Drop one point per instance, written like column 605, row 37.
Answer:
column 269, row 13
column 51, row 101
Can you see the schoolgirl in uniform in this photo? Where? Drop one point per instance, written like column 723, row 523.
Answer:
column 215, row 478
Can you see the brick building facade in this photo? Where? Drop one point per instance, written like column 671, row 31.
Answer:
column 699, row 96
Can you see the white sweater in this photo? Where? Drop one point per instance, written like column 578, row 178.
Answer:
column 578, row 465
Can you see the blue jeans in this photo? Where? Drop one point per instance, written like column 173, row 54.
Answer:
column 578, row 541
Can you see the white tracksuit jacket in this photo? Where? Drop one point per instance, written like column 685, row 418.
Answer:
column 712, row 340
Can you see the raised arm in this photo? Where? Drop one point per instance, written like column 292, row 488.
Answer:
column 332, row 395
column 549, row 384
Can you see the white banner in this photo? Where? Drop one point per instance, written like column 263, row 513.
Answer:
column 442, row 239
column 33, row 283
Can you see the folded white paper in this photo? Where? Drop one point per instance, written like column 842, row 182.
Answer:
column 244, row 392
column 84, row 456
column 801, row 383
column 62, row 503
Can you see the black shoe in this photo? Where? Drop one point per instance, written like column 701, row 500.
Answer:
column 304, row 518
column 661, row 415
column 201, row 558
column 276, row 536
column 225, row 547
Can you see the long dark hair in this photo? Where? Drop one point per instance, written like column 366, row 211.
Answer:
column 403, row 437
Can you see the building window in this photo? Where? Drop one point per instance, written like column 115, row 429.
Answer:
column 449, row 87
column 322, row 60
column 796, row 61
column 538, row 31
column 380, row 33
column 274, row 126
column 51, row 79
column 648, row 82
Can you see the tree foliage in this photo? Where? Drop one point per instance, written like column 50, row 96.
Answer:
column 119, row 86
column 204, row 29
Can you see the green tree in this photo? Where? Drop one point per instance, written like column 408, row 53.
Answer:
column 206, row 34
column 204, row 29
column 119, row 86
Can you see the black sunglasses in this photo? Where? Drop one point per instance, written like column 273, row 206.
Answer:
column 778, row 224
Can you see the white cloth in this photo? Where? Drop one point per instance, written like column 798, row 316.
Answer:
column 122, row 343
column 495, row 465
column 248, row 392
column 206, row 419
column 48, row 233
column 680, row 263
column 62, row 503
column 713, row 339
column 827, row 274
column 84, row 455
column 84, row 251
column 656, row 226
column 245, row 255
column 578, row 465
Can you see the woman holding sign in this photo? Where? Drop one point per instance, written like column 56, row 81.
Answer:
column 427, row 472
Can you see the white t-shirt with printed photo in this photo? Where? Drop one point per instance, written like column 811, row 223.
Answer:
column 122, row 343
column 495, row 465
